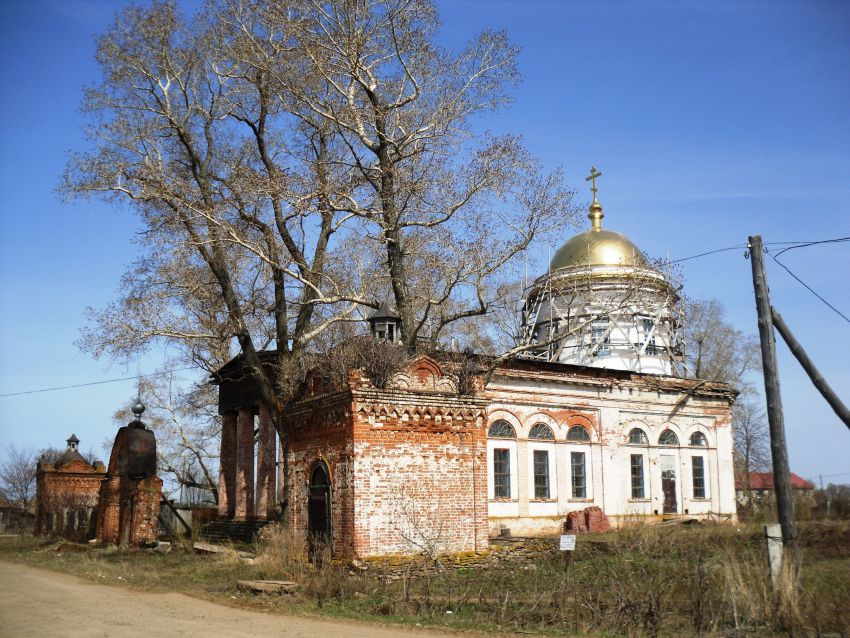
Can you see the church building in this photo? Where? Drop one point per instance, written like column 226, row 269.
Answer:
column 596, row 413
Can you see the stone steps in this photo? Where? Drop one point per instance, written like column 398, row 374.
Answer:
column 239, row 531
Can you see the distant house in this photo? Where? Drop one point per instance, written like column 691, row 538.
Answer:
column 14, row 517
column 761, row 486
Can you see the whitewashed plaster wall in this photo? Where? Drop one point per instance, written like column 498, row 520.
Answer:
column 524, row 401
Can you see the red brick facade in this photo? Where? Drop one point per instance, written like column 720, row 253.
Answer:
column 128, row 510
column 407, row 465
column 66, row 496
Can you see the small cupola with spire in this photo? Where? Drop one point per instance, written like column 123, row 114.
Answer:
column 73, row 442
column 385, row 324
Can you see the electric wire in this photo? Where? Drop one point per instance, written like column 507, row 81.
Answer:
column 792, row 246
column 710, row 252
column 809, row 288
column 806, row 244
column 83, row 385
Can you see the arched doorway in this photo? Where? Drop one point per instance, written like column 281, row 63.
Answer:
column 319, row 511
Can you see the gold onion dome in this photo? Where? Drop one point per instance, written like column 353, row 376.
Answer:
column 598, row 247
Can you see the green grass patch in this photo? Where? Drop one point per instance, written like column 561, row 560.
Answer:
column 701, row 580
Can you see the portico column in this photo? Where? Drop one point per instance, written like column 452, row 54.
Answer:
column 244, row 509
column 227, row 466
column 265, row 465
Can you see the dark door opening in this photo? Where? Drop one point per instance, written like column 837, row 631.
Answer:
column 668, row 488
column 319, row 513
column 668, row 484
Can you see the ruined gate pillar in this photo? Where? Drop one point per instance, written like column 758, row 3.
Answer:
column 227, row 467
column 265, row 466
column 244, row 502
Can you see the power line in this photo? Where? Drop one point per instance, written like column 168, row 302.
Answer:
column 823, row 476
column 809, row 288
column 710, row 252
column 792, row 246
column 806, row 244
column 83, row 385
column 675, row 261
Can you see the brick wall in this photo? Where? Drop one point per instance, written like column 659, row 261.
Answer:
column 129, row 510
column 320, row 431
column 66, row 499
column 420, row 479
column 407, row 465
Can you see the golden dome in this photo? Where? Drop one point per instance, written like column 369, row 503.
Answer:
column 598, row 247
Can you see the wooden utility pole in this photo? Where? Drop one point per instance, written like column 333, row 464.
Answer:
column 814, row 374
column 778, row 448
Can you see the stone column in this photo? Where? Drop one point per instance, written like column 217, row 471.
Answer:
column 227, row 466
column 265, row 466
column 244, row 501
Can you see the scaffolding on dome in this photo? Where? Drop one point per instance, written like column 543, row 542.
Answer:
column 604, row 319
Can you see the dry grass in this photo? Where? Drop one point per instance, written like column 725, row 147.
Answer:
column 641, row 581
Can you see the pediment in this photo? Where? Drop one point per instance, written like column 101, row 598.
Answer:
column 424, row 374
column 76, row 466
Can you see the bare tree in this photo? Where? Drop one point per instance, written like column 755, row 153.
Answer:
column 57, row 457
column 716, row 350
column 752, row 443
column 295, row 162
column 449, row 210
column 17, row 476
column 187, row 428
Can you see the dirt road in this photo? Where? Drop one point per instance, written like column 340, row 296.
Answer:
column 38, row 602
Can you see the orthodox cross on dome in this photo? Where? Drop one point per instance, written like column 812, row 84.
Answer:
column 595, row 214
column 592, row 179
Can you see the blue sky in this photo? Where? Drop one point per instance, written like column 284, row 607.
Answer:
column 711, row 121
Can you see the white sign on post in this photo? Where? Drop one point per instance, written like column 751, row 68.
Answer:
column 568, row 543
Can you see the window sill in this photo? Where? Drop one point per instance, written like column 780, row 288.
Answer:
column 543, row 500
column 580, row 500
column 640, row 500
column 703, row 499
column 504, row 500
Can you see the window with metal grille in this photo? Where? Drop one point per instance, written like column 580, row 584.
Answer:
column 501, row 430
column 578, row 474
column 668, row 437
column 637, row 476
column 541, row 431
column 638, row 437
column 698, row 440
column 698, row 467
column 501, row 473
column 579, row 434
column 541, row 474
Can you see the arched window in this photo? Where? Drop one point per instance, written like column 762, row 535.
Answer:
column 698, row 440
column 319, row 476
column 638, row 437
column 542, row 432
column 579, row 434
column 501, row 429
column 668, row 437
